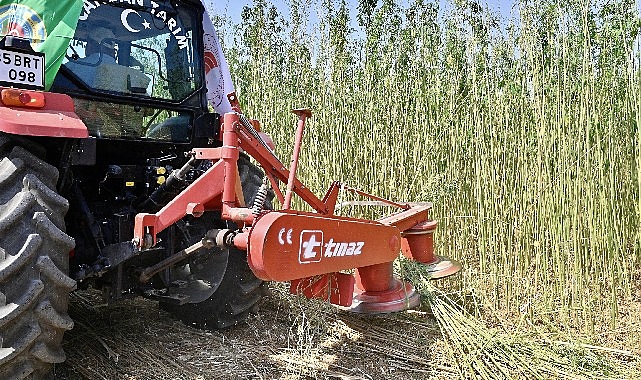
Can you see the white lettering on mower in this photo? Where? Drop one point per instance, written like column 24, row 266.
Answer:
column 285, row 235
column 313, row 247
column 353, row 248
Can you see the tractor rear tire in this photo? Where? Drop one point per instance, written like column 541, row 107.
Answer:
column 34, row 265
column 240, row 291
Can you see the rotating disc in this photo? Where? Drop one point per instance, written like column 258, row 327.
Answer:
column 401, row 296
column 442, row 267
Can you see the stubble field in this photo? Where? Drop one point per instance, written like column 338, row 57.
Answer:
column 524, row 133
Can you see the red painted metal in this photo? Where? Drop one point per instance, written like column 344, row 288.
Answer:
column 406, row 219
column 230, row 154
column 268, row 140
column 308, row 249
column 442, row 267
column 418, row 242
column 399, row 296
column 238, row 214
column 331, row 197
column 195, row 209
column 404, row 206
column 274, row 186
column 241, row 241
column 336, row 288
column 302, row 114
column 56, row 119
column 206, row 190
column 217, row 189
column 233, row 101
column 213, row 154
column 284, row 245
column 272, row 165
column 375, row 278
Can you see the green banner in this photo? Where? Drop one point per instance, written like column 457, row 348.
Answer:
column 49, row 24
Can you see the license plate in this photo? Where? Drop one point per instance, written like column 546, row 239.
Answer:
column 21, row 69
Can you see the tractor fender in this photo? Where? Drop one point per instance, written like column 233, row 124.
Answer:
column 56, row 119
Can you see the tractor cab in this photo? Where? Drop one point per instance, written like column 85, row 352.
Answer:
column 134, row 69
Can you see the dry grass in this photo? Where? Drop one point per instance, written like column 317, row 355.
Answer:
column 290, row 338
column 294, row 338
column 489, row 353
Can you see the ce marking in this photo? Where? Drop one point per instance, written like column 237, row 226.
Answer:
column 285, row 235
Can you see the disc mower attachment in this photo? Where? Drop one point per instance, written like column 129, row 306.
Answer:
column 336, row 288
column 302, row 247
column 316, row 251
column 417, row 244
column 398, row 297
column 288, row 245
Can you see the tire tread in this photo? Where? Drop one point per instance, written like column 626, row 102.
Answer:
column 34, row 252
column 240, row 291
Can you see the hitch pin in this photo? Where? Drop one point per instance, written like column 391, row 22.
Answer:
column 303, row 115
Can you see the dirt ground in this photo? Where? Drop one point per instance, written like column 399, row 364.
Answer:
column 289, row 338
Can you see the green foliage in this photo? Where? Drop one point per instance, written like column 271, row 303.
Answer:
column 524, row 134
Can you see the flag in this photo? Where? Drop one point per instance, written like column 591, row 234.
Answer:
column 217, row 74
column 49, row 24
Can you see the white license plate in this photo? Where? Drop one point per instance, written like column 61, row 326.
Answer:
column 20, row 69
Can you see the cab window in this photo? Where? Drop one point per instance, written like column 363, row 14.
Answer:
column 143, row 49
column 134, row 50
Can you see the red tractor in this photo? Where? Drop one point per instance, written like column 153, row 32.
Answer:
column 120, row 178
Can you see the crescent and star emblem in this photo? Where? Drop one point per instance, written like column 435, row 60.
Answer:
column 125, row 21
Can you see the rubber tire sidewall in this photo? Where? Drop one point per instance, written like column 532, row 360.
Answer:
column 240, row 291
column 34, row 265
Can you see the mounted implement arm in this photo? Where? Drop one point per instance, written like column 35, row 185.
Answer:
column 310, row 249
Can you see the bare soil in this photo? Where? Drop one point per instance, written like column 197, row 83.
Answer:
column 290, row 338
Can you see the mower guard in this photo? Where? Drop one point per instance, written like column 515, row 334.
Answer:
column 315, row 251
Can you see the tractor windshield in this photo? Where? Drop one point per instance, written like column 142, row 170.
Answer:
column 133, row 68
column 136, row 47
